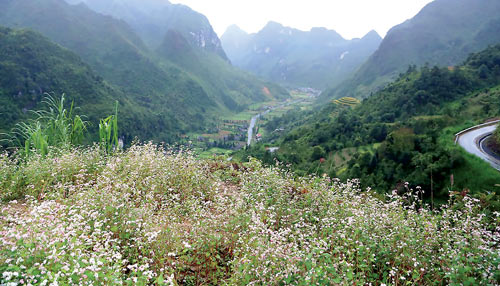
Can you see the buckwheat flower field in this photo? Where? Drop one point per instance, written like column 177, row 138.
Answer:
column 150, row 216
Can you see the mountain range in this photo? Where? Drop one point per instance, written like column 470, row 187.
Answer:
column 152, row 19
column 184, row 37
column 317, row 58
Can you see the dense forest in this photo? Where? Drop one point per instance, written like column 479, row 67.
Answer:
column 30, row 66
column 403, row 133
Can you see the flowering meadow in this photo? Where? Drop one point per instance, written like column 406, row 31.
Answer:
column 152, row 216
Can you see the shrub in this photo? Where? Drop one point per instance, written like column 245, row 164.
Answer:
column 497, row 135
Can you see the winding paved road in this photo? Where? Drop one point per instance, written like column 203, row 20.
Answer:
column 472, row 141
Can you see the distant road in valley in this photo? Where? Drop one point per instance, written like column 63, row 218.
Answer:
column 472, row 141
column 254, row 119
column 251, row 127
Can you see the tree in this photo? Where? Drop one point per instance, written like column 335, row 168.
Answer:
column 483, row 71
column 318, row 152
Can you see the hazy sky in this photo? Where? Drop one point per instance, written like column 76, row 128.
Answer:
column 350, row 18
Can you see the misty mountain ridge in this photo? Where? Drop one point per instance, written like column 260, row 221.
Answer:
column 152, row 19
column 317, row 58
column 443, row 33
column 184, row 37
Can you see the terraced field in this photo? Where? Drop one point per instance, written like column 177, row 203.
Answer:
column 347, row 101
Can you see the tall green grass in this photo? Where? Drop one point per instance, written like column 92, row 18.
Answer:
column 108, row 131
column 54, row 125
column 58, row 126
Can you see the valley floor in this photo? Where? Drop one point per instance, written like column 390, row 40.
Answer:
column 232, row 131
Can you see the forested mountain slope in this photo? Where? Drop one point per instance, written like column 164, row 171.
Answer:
column 443, row 33
column 152, row 19
column 177, row 34
column 236, row 89
column 31, row 66
column 112, row 49
column 170, row 100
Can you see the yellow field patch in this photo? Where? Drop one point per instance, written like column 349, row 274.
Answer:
column 347, row 101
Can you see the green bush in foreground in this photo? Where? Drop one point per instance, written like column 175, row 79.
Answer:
column 149, row 216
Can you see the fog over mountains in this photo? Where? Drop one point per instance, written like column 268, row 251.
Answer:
column 151, row 19
column 432, row 76
column 317, row 58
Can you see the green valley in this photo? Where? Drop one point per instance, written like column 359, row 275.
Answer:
column 404, row 133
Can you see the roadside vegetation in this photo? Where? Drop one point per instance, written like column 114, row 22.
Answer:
column 497, row 135
column 411, row 124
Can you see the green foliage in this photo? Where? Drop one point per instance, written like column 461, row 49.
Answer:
column 64, row 128
column 160, row 97
column 150, row 216
column 108, row 131
column 31, row 66
column 40, row 176
column 236, row 90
